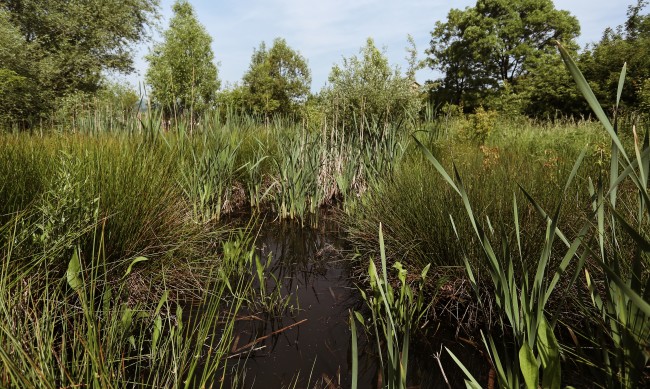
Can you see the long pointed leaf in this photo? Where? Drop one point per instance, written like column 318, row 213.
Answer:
column 437, row 165
column 472, row 381
column 584, row 87
column 621, row 81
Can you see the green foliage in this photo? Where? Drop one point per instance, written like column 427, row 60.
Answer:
column 414, row 205
column 83, row 328
column 396, row 312
column 364, row 92
column 521, row 300
column 182, row 73
column 479, row 126
column 55, row 48
column 630, row 44
column 644, row 96
column 16, row 100
column 277, row 81
column 623, row 310
column 19, row 99
column 547, row 91
column 113, row 107
column 481, row 47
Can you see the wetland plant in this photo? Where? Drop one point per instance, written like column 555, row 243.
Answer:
column 396, row 312
column 622, row 308
column 83, row 329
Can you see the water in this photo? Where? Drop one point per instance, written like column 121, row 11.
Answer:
column 315, row 279
column 307, row 344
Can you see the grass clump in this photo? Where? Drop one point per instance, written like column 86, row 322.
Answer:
column 83, row 328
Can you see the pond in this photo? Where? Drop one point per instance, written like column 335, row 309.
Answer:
column 307, row 341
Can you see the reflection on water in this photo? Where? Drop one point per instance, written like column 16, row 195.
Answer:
column 311, row 341
column 308, row 343
column 311, row 273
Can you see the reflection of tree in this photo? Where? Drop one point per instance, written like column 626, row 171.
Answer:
column 300, row 256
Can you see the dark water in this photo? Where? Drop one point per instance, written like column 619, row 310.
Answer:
column 314, row 277
column 315, row 352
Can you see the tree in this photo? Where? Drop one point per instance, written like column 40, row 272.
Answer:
column 547, row 90
column 365, row 90
column 628, row 43
column 481, row 48
column 16, row 89
column 277, row 81
column 182, row 73
column 66, row 47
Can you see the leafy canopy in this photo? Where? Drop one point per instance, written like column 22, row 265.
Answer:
column 51, row 49
column 480, row 48
column 628, row 43
column 182, row 73
column 365, row 90
column 277, row 81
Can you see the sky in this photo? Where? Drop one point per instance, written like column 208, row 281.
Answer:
column 325, row 31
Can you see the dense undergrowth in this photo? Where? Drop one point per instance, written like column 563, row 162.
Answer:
column 560, row 278
column 113, row 232
column 142, row 205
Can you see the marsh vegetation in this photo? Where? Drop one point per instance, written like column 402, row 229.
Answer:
column 378, row 234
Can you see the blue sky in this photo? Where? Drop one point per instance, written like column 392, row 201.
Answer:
column 324, row 31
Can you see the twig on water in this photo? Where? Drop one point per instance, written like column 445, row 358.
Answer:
column 269, row 335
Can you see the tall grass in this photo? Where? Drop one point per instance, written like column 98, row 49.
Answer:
column 228, row 161
column 416, row 207
column 520, row 297
column 63, row 181
column 621, row 307
column 83, row 328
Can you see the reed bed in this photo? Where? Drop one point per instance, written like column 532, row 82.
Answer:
column 142, row 201
column 599, row 271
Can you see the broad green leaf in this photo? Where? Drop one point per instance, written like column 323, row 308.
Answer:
column 136, row 260
column 72, row 274
column 528, row 366
column 549, row 352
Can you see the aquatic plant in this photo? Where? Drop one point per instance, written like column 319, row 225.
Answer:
column 396, row 312
column 623, row 308
column 85, row 329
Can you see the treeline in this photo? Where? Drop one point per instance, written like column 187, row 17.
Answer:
column 52, row 50
column 501, row 55
column 498, row 55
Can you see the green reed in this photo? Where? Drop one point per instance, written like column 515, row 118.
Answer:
column 84, row 327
